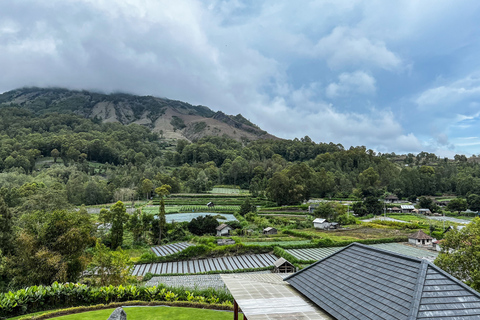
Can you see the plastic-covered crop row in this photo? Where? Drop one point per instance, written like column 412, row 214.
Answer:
column 205, row 265
column 167, row 249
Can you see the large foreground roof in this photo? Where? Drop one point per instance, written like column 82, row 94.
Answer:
column 362, row 282
column 267, row 296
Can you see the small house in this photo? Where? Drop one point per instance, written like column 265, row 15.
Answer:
column 425, row 212
column 270, row 230
column 223, row 230
column 319, row 223
column 210, row 205
column 394, row 210
column 224, row 242
column 283, row 266
column 391, row 199
column 407, row 208
column 420, row 239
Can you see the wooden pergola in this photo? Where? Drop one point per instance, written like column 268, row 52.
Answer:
column 265, row 296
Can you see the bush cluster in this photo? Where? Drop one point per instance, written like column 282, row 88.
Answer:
column 40, row 298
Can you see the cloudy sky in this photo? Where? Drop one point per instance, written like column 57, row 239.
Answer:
column 394, row 76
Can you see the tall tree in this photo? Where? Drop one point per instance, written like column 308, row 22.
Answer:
column 457, row 204
column 459, row 255
column 119, row 217
column 162, row 191
column 147, row 186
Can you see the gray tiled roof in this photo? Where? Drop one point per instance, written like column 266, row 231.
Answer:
column 361, row 282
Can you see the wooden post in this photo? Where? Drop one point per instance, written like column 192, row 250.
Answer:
column 235, row 310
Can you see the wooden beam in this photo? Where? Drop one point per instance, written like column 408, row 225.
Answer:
column 235, row 310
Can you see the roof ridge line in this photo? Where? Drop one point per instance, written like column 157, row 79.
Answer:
column 417, row 293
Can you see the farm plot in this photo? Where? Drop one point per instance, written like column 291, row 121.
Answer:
column 320, row 253
column 167, row 249
column 206, row 265
column 181, row 217
column 193, row 208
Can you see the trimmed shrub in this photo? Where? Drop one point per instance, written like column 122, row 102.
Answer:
column 40, row 298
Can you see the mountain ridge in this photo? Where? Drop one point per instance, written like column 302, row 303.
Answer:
column 171, row 119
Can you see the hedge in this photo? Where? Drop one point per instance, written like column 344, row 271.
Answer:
column 41, row 298
column 73, row 310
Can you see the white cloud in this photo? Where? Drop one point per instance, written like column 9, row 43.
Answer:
column 356, row 82
column 450, row 95
column 346, row 47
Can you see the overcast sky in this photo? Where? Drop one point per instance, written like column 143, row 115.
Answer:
column 394, row 76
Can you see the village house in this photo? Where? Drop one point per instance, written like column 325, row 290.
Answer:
column 407, row 208
column 319, row 223
column 223, row 230
column 394, row 210
column 270, row 230
column 420, row 239
column 391, row 199
column 425, row 212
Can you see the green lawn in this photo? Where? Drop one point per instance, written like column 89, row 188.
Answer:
column 154, row 313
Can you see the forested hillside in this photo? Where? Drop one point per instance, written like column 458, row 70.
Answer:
column 93, row 162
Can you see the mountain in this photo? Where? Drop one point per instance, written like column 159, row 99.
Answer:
column 170, row 118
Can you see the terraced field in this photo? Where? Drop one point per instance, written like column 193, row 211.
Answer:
column 205, row 265
column 320, row 253
column 167, row 249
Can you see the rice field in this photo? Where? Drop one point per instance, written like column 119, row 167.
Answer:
column 168, row 249
column 206, row 265
column 320, row 253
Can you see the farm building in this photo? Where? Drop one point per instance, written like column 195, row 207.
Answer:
column 391, row 199
column 283, row 266
column 406, row 208
column 270, row 230
column 394, row 210
column 211, row 205
column 425, row 212
column 319, row 223
column 420, row 238
column 223, row 230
